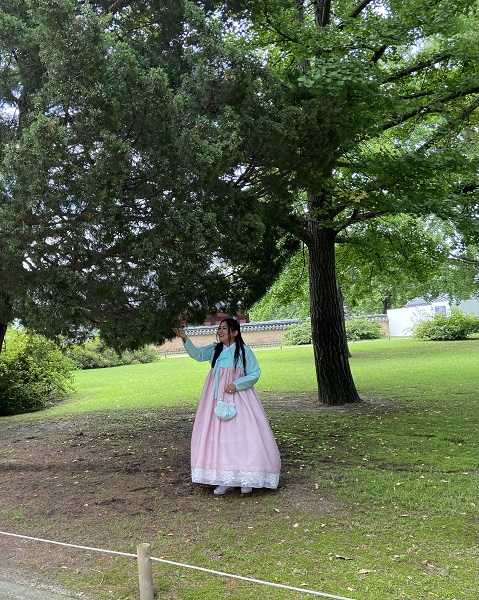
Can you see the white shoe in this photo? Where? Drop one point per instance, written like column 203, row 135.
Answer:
column 246, row 490
column 222, row 489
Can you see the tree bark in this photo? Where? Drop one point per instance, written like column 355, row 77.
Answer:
column 3, row 332
column 335, row 382
column 387, row 302
column 343, row 319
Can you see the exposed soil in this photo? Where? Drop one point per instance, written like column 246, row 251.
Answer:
column 99, row 479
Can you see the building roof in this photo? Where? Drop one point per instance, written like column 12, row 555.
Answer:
column 258, row 326
column 421, row 302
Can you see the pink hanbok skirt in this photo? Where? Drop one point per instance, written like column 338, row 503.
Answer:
column 241, row 452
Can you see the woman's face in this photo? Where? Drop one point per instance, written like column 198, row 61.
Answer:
column 225, row 335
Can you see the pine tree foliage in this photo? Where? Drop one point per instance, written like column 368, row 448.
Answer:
column 116, row 211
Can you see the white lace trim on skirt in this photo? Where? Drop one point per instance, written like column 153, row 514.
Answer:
column 235, row 478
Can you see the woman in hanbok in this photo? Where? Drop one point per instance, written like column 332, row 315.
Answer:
column 239, row 452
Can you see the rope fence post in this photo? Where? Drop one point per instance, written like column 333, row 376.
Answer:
column 145, row 573
column 145, row 568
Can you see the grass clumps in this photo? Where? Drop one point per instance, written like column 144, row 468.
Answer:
column 377, row 500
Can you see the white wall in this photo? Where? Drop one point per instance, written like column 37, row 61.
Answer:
column 402, row 320
column 469, row 307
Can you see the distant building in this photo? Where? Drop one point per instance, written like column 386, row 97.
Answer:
column 403, row 320
column 216, row 319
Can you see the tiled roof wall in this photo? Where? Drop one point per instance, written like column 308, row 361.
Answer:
column 245, row 327
column 263, row 333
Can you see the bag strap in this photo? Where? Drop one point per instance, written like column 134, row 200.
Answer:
column 228, row 399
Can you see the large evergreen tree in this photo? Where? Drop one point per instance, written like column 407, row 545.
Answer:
column 114, row 211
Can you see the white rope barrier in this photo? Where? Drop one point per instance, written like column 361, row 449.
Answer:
column 177, row 564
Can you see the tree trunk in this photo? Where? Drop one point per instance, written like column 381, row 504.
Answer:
column 387, row 302
column 3, row 332
column 343, row 319
column 333, row 373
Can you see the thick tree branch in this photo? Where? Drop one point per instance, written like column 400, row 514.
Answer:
column 448, row 127
column 424, row 64
column 379, row 52
column 418, row 95
column 420, row 110
column 297, row 226
column 358, row 217
column 464, row 260
column 359, row 8
column 355, row 13
column 322, row 12
column 427, row 109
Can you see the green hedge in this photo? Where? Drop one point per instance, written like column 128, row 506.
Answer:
column 95, row 355
column 298, row 334
column 356, row 329
column 458, row 326
column 34, row 373
column 363, row 329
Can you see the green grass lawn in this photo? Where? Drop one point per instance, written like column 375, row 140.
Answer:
column 403, row 369
column 391, row 484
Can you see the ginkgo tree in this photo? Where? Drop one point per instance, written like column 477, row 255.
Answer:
column 380, row 265
column 384, row 96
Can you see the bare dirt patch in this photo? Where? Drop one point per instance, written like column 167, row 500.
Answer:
column 112, row 480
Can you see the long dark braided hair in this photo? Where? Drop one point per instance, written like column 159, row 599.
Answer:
column 233, row 325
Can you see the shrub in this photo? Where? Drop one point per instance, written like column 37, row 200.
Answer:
column 86, row 356
column 34, row 373
column 442, row 328
column 95, row 355
column 356, row 329
column 147, row 354
column 363, row 329
column 298, row 334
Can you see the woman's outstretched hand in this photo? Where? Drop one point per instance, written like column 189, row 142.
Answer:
column 179, row 333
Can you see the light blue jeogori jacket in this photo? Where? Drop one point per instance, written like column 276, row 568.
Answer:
column 226, row 359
